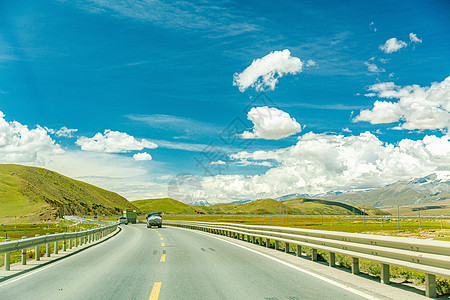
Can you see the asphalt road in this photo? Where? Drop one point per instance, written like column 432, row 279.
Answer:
column 183, row 264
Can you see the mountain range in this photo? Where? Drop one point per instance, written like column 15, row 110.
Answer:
column 431, row 188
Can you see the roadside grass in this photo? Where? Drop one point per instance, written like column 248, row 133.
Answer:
column 16, row 232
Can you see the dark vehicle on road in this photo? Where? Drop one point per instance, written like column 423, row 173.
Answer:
column 154, row 219
column 123, row 220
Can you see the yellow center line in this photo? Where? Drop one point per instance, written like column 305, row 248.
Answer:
column 161, row 239
column 162, row 244
column 155, row 230
column 155, row 291
column 163, row 258
column 159, row 234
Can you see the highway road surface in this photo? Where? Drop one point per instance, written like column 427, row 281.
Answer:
column 168, row 263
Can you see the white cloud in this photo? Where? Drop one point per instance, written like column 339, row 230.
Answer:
column 382, row 112
column 219, row 162
column 142, row 156
column 373, row 68
column 414, row 39
column 392, row 45
column 319, row 163
column 270, row 123
column 263, row 73
column 417, row 107
column 113, row 142
column 19, row 144
column 65, row 132
column 310, row 63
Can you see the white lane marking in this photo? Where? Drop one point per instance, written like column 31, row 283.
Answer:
column 343, row 286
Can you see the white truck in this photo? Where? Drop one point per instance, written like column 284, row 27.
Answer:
column 154, row 219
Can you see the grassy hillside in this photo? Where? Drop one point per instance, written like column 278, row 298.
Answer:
column 261, row 207
column 318, row 207
column 258, row 207
column 31, row 191
column 221, row 208
column 435, row 208
column 167, row 206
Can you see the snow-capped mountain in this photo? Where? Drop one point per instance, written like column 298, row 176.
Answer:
column 433, row 187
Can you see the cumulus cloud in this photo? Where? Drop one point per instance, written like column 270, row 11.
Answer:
column 142, row 156
column 319, row 163
column 414, row 39
column 113, row 142
column 373, row 68
column 392, row 45
column 263, row 73
column 271, row 124
column 417, row 107
column 19, row 144
column 65, row 132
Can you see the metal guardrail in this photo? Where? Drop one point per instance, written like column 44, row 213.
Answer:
column 69, row 239
column 428, row 256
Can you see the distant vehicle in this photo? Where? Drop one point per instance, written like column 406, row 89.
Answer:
column 123, row 220
column 154, row 219
column 130, row 214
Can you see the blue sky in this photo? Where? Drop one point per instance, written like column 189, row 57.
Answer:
column 162, row 73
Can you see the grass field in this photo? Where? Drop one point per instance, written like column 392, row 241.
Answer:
column 436, row 208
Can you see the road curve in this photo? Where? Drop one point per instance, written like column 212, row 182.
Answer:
column 183, row 264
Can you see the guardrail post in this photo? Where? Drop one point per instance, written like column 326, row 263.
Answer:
column 7, row 259
column 299, row 250
column 277, row 245
column 332, row 259
column 385, row 274
column 430, row 285
column 355, row 265
column 75, row 242
column 64, row 245
column 56, row 247
column 24, row 253
column 70, row 242
column 267, row 243
column 314, row 255
column 286, row 248
column 37, row 251
column 47, row 248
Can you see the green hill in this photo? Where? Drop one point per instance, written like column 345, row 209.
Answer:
column 167, row 206
column 220, row 208
column 318, row 206
column 258, row 207
column 30, row 191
